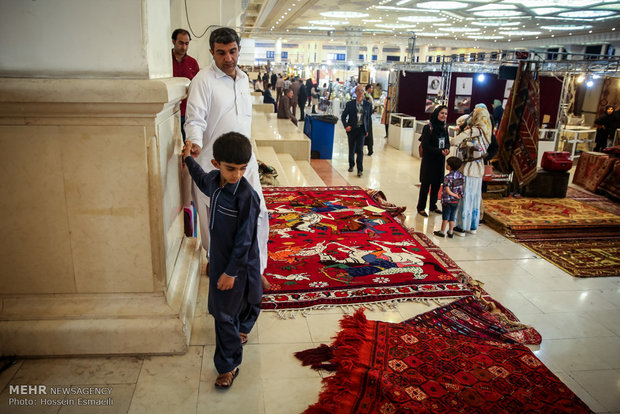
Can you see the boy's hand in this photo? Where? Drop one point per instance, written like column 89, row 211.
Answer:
column 225, row 282
column 190, row 149
column 187, row 149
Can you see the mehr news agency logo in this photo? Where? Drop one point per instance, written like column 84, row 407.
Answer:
column 33, row 395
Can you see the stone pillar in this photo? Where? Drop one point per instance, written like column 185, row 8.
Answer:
column 352, row 43
column 93, row 255
column 278, row 53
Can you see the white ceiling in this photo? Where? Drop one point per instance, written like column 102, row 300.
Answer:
column 460, row 23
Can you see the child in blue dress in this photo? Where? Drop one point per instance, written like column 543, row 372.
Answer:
column 235, row 287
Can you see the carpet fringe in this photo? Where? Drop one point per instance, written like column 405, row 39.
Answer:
column 349, row 309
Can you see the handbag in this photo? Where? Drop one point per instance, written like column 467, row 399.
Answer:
column 556, row 161
column 488, row 173
column 470, row 149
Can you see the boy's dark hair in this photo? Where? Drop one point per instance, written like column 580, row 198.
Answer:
column 224, row 35
column 180, row 31
column 454, row 163
column 368, row 86
column 232, row 147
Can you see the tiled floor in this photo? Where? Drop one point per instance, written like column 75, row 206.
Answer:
column 579, row 320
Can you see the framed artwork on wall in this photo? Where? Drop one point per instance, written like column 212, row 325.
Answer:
column 463, row 86
column 434, row 82
column 462, row 104
column 364, row 77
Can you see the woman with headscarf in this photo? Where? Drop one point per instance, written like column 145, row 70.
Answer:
column 472, row 145
column 435, row 147
column 608, row 123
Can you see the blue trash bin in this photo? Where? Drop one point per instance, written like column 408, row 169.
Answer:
column 320, row 130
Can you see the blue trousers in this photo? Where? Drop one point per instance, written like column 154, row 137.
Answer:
column 228, row 323
column 356, row 147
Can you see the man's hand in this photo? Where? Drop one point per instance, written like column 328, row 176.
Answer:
column 446, row 151
column 225, row 282
column 187, row 149
column 195, row 150
column 348, row 129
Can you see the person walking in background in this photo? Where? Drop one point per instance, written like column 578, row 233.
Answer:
column 219, row 101
column 314, row 93
column 279, row 86
column 435, row 147
column 607, row 125
column 183, row 65
column 450, row 196
column 368, row 141
column 356, row 120
column 284, row 107
column 295, row 87
column 498, row 112
column 302, row 98
column 309, row 85
column 273, row 80
column 472, row 145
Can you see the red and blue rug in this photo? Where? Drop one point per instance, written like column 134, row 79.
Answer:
column 430, row 365
column 333, row 246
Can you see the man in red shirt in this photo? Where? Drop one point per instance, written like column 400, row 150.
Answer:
column 183, row 65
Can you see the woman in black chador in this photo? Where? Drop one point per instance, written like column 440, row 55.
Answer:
column 607, row 128
column 435, row 147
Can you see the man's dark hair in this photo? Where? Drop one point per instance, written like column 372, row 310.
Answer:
column 368, row 86
column 232, row 147
column 454, row 163
column 224, row 35
column 178, row 32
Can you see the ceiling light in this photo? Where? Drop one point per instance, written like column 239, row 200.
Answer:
column 520, row 33
column 316, row 28
column 549, row 3
column 581, row 78
column 395, row 26
column 430, row 34
column 494, row 23
column 586, row 14
column 422, row 19
column 372, row 20
column 494, row 6
column 328, row 22
column 344, row 14
column 442, row 5
column 566, row 27
column 481, row 78
column 590, row 83
column 498, row 13
column 484, row 37
column 459, row 29
column 442, row 24
column 401, row 2
column 547, row 10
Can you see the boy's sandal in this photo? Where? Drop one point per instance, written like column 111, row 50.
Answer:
column 244, row 338
column 225, row 381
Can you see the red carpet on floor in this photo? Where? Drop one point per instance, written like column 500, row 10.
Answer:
column 410, row 368
column 330, row 246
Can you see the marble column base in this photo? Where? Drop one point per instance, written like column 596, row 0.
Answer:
column 105, row 324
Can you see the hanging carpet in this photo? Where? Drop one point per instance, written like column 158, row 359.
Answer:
column 518, row 130
column 413, row 368
column 334, row 246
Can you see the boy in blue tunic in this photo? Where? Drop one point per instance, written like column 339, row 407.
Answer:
column 235, row 287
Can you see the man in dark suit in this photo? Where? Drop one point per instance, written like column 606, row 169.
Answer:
column 357, row 122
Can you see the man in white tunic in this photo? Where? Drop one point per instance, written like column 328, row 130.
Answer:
column 219, row 101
